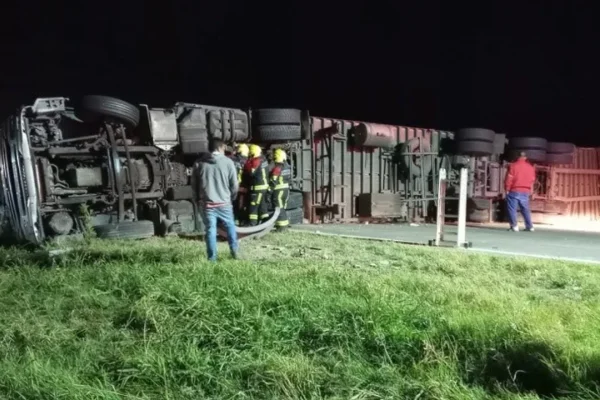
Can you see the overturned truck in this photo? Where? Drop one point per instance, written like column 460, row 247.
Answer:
column 125, row 169
column 129, row 166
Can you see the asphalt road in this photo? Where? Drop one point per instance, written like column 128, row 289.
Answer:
column 546, row 243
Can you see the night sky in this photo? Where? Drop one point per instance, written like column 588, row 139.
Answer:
column 529, row 70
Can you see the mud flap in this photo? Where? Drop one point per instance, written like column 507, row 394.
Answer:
column 255, row 232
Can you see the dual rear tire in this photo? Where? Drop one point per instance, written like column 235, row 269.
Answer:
column 476, row 142
column 540, row 151
column 276, row 125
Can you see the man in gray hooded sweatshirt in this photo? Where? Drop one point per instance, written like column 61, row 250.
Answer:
column 215, row 187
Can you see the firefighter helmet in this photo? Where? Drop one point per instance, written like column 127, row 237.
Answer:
column 279, row 156
column 254, row 150
column 242, row 149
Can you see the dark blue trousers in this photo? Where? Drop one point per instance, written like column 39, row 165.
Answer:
column 515, row 201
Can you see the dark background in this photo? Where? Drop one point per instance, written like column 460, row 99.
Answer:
column 525, row 70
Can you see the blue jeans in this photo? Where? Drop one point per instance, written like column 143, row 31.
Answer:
column 210, row 217
column 516, row 200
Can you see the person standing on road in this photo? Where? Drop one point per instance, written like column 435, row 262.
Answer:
column 215, row 187
column 239, row 159
column 518, row 185
column 280, row 177
column 256, row 170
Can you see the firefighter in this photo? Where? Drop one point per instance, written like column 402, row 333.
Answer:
column 239, row 159
column 258, row 186
column 279, row 179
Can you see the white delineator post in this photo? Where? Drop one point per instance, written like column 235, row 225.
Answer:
column 441, row 209
column 461, row 239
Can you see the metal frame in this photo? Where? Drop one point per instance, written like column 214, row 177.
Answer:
column 568, row 191
column 336, row 171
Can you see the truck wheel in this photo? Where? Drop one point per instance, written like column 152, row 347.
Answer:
column 126, row 230
column 475, row 148
column 475, row 134
column 528, row 143
column 296, row 216
column 296, row 200
column 94, row 109
column 276, row 133
column 459, row 162
column 479, row 216
column 560, row 148
column 475, row 204
column 276, row 116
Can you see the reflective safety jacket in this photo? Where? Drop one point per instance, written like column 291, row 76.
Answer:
column 239, row 162
column 280, row 176
column 255, row 174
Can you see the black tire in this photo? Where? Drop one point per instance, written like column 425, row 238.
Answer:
column 560, row 148
column 460, row 161
column 276, row 116
column 296, row 200
column 474, row 204
column 94, row 109
column 533, row 155
column 554, row 158
column 276, row 133
column 296, row 216
column 475, row 134
column 126, row 230
column 530, row 143
column 479, row 216
column 474, row 148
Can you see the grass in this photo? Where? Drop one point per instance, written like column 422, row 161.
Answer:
column 301, row 317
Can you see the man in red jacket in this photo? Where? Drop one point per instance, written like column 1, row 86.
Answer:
column 518, row 186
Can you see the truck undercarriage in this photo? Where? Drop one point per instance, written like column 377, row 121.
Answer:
column 133, row 181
